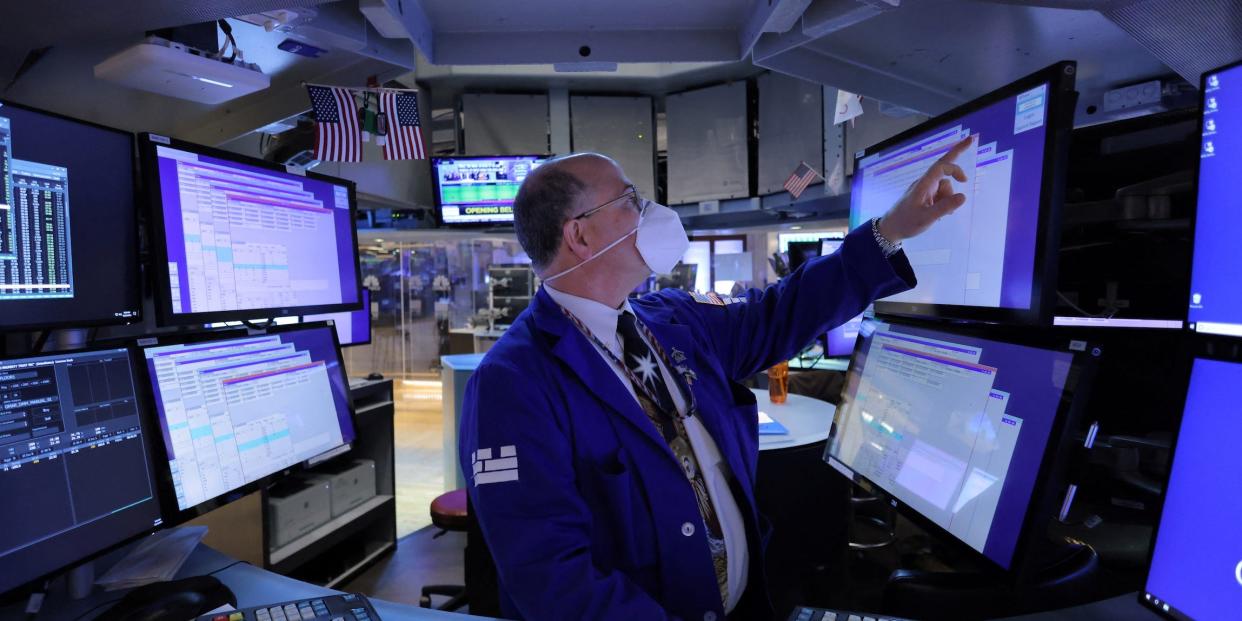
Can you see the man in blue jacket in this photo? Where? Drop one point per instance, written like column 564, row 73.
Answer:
column 610, row 449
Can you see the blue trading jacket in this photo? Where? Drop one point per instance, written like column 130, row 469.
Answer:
column 579, row 498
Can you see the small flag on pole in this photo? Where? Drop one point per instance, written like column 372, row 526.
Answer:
column 338, row 136
column 405, row 132
column 802, row 177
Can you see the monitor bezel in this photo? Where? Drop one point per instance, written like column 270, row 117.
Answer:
column 135, row 257
column 435, row 188
column 1060, row 78
column 149, row 164
column 1192, row 326
column 1053, row 468
column 1216, row 347
column 142, row 405
column 174, row 515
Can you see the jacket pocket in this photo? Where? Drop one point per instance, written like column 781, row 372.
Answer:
column 622, row 536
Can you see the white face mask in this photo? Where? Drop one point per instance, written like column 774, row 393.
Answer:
column 661, row 240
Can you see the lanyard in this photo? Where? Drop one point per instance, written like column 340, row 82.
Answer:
column 688, row 395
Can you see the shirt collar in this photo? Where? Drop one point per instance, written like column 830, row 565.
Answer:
column 599, row 319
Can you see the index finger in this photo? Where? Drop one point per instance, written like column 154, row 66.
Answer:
column 958, row 149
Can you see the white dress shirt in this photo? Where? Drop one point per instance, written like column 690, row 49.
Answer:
column 601, row 321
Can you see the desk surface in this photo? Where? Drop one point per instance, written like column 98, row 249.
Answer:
column 461, row 362
column 252, row 586
column 1120, row 607
column 480, row 332
column 808, row 420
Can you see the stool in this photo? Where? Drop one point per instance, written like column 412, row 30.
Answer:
column 449, row 512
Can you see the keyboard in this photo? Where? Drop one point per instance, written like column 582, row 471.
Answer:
column 346, row 607
column 803, row 613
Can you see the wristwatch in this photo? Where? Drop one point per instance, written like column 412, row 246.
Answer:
column 889, row 248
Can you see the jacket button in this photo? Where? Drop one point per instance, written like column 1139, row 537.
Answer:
column 709, row 616
column 687, row 529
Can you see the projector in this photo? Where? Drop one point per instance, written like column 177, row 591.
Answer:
column 161, row 66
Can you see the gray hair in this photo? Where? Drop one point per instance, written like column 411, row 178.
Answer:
column 543, row 203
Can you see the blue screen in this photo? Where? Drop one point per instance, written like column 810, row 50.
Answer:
column 841, row 338
column 983, row 254
column 1196, row 566
column 235, row 410
column 1216, row 298
column 953, row 426
column 245, row 238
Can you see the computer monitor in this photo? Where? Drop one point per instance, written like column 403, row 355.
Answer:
column 994, row 259
column 784, row 239
column 235, row 409
column 1127, row 240
column 68, row 222
column 840, row 340
column 682, row 277
column 1196, row 557
column 237, row 237
column 802, row 251
column 829, row 245
column 75, row 468
column 961, row 429
column 479, row 189
column 352, row 328
column 1215, row 298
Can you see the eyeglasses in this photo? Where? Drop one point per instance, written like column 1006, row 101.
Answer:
column 635, row 201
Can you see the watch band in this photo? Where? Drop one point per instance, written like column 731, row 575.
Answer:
column 889, row 248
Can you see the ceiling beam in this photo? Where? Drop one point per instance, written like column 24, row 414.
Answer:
column 832, row 70
column 515, row 48
column 770, row 16
column 413, row 17
column 275, row 104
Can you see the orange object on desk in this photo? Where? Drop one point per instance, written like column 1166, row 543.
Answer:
column 778, row 382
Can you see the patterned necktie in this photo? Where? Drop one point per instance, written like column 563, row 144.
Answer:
column 642, row 362
column 656, row 401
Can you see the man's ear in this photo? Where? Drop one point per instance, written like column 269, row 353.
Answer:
column 574, row 234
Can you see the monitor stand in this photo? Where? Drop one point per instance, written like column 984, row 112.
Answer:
column 1066, row 576
column 178, row 599
column 81, row 580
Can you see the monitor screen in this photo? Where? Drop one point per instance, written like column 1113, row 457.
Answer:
column 352, row 328
column 841, row 338
column 74, row 461
column 233, row 410
column 480, row 189
column 988, row 254
column 829, row 246
column 68, row 222
column 1196, row 564
column 1215, row 298
column 802, row 251
column 784, row 239
column 238, row 238
column 953, row 427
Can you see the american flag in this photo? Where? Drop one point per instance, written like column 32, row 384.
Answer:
column 802, row 177
column 405, row 134
column 338, row 138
